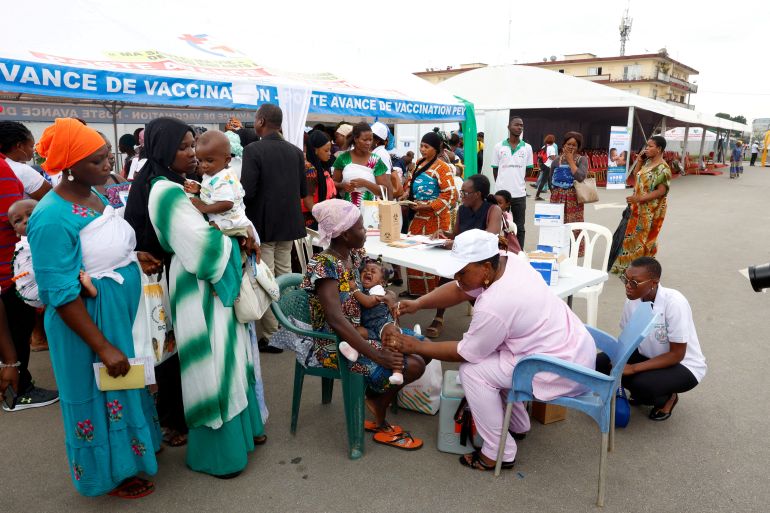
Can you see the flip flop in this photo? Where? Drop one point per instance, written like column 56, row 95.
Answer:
column 477, row 463
column 372, row 427
column 124, row 490
column 174, row 438
column 402, row 440
column 435, row 331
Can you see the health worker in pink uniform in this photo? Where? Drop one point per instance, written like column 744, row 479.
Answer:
column 514, row 315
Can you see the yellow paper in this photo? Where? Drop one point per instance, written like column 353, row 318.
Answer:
column 134, row 379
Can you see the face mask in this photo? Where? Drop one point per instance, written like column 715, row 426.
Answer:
column 472, row 293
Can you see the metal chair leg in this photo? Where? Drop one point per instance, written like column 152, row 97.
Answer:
column 602, row 470
column 611, row 446
column 503, row 432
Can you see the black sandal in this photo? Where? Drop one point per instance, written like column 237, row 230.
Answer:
column 659, row 415
column 477, row 463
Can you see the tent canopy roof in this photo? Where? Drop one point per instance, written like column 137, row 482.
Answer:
column 526, row 87
column 113, row 58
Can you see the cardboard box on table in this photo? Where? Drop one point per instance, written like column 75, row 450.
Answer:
column 547, row 264
column 549, row 214
column 390, row 220
column 448, row 433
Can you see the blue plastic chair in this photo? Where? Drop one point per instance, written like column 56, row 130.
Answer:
column 294, row 303
column 599, row 402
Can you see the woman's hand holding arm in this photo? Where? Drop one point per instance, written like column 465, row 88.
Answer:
column 444, row 351
column 448, row 294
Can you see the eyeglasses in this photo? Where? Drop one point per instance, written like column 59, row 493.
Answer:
column 634, row 284
column 465, row 193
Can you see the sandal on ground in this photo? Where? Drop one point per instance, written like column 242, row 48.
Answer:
column 385, row 427
column 133, row 488
column 174, row 438
column 434, row 330
column 402, row 440
column 660, row 415
column 407, row 295
column 477, row 463
column 260, row 440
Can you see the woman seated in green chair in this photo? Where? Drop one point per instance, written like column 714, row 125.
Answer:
column 333, row 309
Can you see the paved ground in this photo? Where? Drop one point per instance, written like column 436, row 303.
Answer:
column 710, row 456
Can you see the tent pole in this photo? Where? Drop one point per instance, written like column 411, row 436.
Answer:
column 114, row 109
column 630, row 128
column 702, row 141
column 641, row 127
column 663, row 126
column 684, row 142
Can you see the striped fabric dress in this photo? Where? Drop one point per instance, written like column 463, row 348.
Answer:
column 217, row 372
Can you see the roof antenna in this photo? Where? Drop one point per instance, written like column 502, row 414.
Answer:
column 625, row 30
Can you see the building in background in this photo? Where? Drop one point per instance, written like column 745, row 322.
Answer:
column 436, row 75
column 654, row 75
column 758, row 128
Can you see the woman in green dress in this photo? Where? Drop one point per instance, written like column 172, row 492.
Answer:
column 217, row 373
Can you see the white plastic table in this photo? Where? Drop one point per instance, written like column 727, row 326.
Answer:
column 426, row 259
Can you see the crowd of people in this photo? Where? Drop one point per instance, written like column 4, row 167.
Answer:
column 191, row 206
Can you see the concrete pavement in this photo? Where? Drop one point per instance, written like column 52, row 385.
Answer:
column 712, row 455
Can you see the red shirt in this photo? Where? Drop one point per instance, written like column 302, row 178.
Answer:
column 11, row 191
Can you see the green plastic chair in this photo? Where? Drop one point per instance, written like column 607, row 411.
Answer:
column 294, row 303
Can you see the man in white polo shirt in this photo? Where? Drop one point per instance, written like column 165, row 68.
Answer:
column 510, row 160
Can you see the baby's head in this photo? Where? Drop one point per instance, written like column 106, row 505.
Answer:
column 18, row 215
column 212, row 150
column 374, row 274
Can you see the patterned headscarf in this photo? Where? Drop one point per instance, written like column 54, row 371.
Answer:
column 335, row 217
column 236, row 150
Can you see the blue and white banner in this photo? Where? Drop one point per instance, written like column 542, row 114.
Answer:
column 49, row 79
column 618, row 157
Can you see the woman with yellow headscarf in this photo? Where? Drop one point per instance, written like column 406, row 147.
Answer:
column 110, row 436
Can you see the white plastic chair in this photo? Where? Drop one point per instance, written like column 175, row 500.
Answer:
column 590, row 233
column 304, row 247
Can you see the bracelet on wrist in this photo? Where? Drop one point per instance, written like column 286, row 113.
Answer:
column 9, row 365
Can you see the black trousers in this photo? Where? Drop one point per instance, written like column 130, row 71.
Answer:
column 653, row 387
column 753, row 158
column 169, row 400
column 544, row 178
column 21, row 322
column 519, row 212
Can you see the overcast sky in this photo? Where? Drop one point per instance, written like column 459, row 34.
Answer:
column 412, row 35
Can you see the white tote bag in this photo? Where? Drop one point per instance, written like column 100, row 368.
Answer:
column 153, row 327
column 423, row 395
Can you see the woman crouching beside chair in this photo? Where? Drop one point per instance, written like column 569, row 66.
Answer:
column 669, row 361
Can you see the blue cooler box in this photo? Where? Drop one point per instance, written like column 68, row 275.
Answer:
column 448, row 438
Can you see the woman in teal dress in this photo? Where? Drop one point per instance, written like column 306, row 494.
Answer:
column 110, row 437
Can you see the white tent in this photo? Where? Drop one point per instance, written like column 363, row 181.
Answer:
column 86, row 51
column 497, row 90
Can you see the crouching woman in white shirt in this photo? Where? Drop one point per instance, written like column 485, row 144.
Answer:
column 669, row 361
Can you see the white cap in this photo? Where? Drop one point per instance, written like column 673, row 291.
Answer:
column 380, row 130
column 469, row 247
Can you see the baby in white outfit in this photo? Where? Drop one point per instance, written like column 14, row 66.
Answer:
column 221, row 193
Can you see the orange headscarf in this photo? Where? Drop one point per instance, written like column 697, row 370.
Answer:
column 67, row 142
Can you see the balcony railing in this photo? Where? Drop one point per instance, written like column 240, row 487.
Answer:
column 680, row 104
